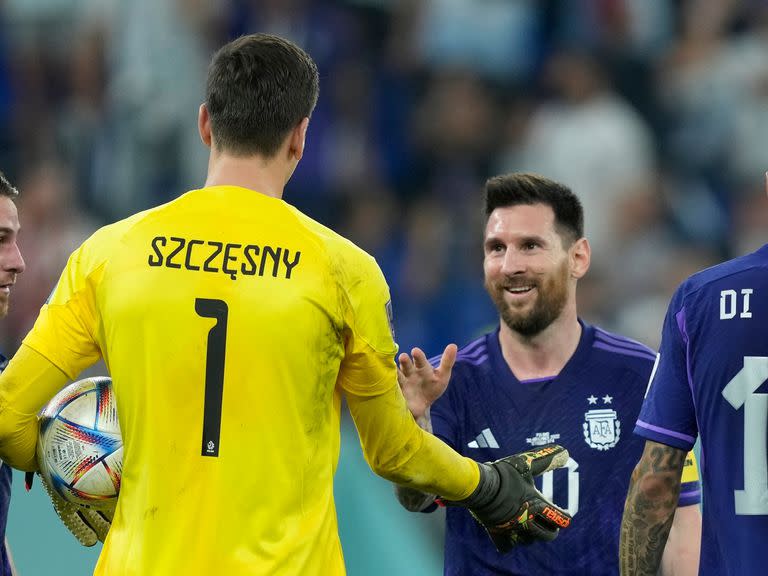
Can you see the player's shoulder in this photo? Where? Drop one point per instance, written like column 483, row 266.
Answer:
column 471, row 359
column 333, row 244
column 102, row 242
column 470, row 352
column 615, row 348
column 474, row 353
column 747, row 267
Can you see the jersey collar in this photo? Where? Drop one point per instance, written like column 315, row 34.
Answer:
column 573, row 366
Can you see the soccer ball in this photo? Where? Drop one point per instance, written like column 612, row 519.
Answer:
column 80, row 449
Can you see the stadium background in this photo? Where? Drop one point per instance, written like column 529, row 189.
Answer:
column 656, row 113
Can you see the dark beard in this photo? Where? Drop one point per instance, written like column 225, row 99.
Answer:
column 548, row 307
column 542, row 315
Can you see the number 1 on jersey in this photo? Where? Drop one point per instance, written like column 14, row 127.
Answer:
column 741, row 391
column 214, row 372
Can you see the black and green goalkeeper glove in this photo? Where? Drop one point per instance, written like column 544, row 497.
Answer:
column 507, row 503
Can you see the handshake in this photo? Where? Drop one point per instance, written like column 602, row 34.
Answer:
column 507, row 503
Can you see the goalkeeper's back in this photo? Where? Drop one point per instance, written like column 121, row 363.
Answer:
column 222, row 317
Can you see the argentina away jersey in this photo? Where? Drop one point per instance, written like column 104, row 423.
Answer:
column 712, row 381
column 589, row 408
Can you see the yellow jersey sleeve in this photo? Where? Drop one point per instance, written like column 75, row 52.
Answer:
column 65, row 330
column 393, row 445
column 368, row 367
column 398, row 450
column 26, row 385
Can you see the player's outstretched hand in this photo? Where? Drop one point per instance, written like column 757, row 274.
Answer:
column 507, row 503
column 421, row 384
column 86, row 524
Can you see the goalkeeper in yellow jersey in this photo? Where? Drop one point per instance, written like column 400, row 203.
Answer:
column 231, row 324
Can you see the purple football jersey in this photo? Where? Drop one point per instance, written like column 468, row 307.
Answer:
column 711, row 381
column 589, row 408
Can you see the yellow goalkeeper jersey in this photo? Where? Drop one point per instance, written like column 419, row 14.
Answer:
column 229, row 322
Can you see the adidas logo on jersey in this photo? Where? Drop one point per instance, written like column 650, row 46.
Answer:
column 484, row 440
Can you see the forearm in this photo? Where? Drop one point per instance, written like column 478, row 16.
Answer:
column 18, row 438
column 28, row 383
column 398, row 450
column 649, row 509
column 681, row 554
column 411, row 499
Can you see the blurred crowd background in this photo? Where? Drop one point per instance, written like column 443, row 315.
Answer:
column 654, row 113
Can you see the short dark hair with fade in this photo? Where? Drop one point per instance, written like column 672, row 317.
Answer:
column 6, row 189
column 259, row 88
column 519, row 188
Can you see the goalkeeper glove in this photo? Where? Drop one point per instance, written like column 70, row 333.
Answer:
column 507, row 503
column 88, row 525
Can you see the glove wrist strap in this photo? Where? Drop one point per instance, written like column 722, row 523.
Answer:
column 486, row 490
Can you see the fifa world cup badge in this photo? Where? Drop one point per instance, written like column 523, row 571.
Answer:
column 390, row 317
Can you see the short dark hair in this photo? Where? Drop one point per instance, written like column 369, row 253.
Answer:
column 6, row 189
column 259, row 88
column 526, row 188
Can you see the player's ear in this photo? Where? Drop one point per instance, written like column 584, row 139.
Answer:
column 579, row 255
column 204, row 124
column 297, row 139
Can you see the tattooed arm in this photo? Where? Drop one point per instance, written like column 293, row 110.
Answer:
column 650, row 509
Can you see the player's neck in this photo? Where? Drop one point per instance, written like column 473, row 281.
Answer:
column 545, row 354
column 257, row 174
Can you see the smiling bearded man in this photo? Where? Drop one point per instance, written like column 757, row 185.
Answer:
column 531, row 289
column 543, row 376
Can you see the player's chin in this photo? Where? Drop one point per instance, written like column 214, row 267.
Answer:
column 3, row 306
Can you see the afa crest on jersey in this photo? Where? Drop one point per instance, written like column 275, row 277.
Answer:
column 602, row 428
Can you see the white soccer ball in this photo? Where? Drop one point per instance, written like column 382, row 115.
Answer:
column 80, row 449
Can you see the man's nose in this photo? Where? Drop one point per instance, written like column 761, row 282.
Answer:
column 514, row 262
column 15, row 262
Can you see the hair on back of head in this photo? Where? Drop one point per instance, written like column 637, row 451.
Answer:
column 259, row 88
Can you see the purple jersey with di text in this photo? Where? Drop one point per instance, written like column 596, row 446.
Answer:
column 711, row 381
